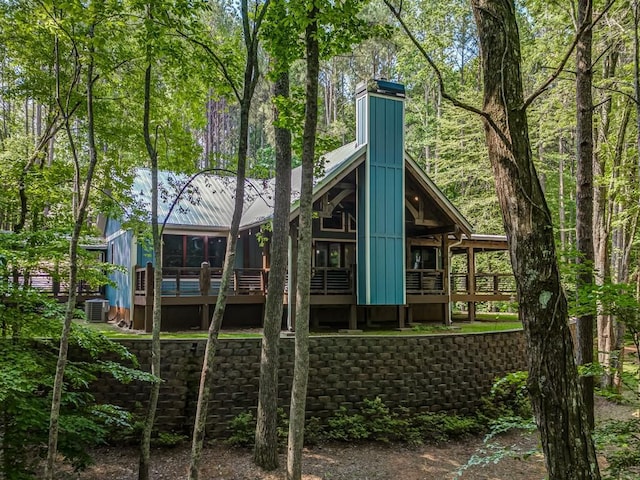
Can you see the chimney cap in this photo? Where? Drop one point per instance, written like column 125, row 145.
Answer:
column 382, row 87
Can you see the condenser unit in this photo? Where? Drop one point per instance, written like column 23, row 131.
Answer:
column 96, row 310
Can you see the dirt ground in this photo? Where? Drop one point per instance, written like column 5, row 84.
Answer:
column 339, row 461
column 329, row 462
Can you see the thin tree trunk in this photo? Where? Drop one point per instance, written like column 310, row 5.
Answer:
column 73, row 269
column 562, row 223
column 156, row 234
column 584, row 201
column 251, row 75
column 553, row 382
column 301, row 361
column 602, row 266
column 265, row 454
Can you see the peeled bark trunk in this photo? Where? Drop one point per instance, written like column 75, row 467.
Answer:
column 553, row 381
column 301, row 360
column 265, row 454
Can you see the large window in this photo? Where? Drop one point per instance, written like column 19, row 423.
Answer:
column 173, row 250
column 192, row 250
column 217, row 248
column 195, row 254
column 334, row 254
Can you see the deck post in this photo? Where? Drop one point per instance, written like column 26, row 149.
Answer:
column 471, row 282
column 148, row 298
column 205, row 286
column 446, row 280
column 401, row 317
column 293, row 280
column 353, row 317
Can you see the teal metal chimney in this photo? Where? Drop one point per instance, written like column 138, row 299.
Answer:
column 380, row 202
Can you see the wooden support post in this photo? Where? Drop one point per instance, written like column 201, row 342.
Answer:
column 205, row 278
column 401, row 317
column 204, row 319
column 293, row 279
column 353, row 317
column 446, row 279
column 471, row 281
column 205, row 286
column 148, row 298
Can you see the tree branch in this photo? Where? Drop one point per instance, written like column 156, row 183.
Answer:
column 457, row 103
column 583, row 28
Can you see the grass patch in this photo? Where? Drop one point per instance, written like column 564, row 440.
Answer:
column 480, row 326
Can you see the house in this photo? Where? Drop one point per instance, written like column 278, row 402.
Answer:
column 383, row 240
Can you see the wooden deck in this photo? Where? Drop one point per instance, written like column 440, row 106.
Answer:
column 191, row 286
column 59, row 289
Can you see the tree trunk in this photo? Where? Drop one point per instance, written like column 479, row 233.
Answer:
column 251, row 75
column 602, row 266
column 265, row 454
column 562, row 223
column 156, row 234
column 553, row 382
column 79, row 220
column 301, row 361
column 584, row 201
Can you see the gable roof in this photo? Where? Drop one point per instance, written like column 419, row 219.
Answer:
column 209, row 202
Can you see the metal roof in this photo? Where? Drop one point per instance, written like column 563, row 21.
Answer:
column 209, row 202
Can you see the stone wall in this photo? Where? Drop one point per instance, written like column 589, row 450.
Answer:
column 422, row 373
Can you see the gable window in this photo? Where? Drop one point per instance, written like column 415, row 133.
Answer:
column 334, row 223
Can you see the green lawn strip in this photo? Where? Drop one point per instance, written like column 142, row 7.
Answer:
column 481, row 326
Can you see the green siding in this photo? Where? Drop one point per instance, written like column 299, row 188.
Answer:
column 381, row 245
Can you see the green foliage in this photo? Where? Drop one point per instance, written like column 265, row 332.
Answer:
column 373, row 422
column 509, row 398
column 243, row 430
column 621, row 445
column 31, row 325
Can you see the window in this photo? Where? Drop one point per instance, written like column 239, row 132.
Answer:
column 172, row 251
column 217, row 249
column 195, row 251
column 334, row 254
column 335, row 223
column 424, row 258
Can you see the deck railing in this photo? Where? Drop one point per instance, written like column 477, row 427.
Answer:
column 425, row 281
column 52, row 285
column 331, row 281
column 486, row 283
column 194, row 281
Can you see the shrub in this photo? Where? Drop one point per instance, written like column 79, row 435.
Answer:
column 243, row 429
column 509, row 397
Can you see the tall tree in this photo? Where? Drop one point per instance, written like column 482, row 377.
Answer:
column 82, row 192
column 303, row 275
column 584, row 197
column 251, row 24
column 266, row 439
column 553, row 382
column 156, row 238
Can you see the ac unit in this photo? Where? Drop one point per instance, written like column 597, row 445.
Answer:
column 96, row 310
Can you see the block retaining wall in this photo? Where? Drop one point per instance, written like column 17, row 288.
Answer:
column 422, row 373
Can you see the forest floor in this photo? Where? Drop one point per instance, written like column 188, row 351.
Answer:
column 340, row 461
